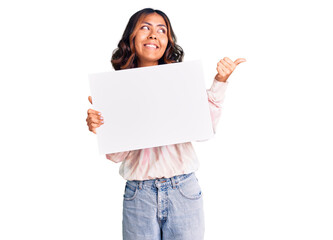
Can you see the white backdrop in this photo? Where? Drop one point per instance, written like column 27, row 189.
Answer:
column 267, row 174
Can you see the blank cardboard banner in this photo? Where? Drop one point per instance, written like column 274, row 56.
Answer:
column 151, row 106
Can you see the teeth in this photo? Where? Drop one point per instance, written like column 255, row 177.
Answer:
column 148, row 45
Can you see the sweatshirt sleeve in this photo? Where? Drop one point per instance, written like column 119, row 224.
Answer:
column 216, row 96
column 117, row 157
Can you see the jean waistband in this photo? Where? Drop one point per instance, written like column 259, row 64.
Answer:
column 161, row 182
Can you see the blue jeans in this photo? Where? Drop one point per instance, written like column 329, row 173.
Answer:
column 163, row 209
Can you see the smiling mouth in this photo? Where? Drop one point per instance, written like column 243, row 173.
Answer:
column 150, row 46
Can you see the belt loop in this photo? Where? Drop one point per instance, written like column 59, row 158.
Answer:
column 157, row 185
column 174, row 182
column 140, row 184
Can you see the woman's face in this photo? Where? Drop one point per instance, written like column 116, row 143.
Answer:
column 151, row 40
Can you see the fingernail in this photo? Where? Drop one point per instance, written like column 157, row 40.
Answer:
column 101, row 117
column 99, row 113
column 102, row 121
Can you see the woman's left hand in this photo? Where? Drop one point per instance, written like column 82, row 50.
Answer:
column 225, row 67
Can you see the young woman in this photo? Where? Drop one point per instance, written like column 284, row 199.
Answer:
column 162, row 198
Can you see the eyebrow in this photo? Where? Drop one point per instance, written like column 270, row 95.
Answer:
column 162, row 25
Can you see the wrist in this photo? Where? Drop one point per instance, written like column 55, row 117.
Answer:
column 219, row 78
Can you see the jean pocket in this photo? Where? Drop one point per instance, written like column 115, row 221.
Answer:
column 190, row 189
column 130, row 192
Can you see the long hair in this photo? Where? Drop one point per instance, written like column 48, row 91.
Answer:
column 124, row 56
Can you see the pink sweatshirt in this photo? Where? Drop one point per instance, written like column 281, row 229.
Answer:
column 170, row 160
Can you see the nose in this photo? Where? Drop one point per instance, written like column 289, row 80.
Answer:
column 152, row 36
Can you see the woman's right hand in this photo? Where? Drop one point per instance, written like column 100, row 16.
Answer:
column 94, row 118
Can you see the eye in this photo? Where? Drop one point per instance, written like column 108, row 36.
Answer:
column 162, row 30
column 145, row 27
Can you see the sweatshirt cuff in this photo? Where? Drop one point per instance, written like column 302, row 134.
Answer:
column 218, row 89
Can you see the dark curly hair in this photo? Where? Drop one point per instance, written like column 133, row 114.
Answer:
column 124, row 57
